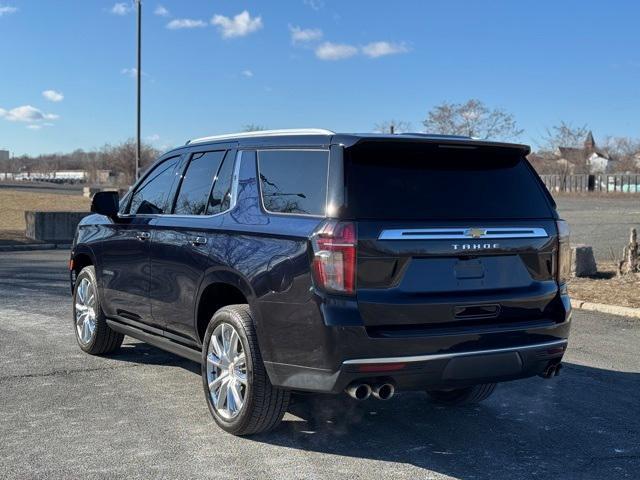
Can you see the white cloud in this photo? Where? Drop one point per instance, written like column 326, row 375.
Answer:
column 34, row 126
column 121, row 8
column 7, row 10
column 247, row 73
column 315, row 4
column 132, row 72
column 380, row 49
column 238, row 26
column 180, row 23
column 53, row 96
column 28, row 114
column 303, row 35
column 153, row 138
column 161, row 11
column 335, row 51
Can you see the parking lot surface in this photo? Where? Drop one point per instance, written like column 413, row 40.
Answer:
column 601, row 221
column 140, row 413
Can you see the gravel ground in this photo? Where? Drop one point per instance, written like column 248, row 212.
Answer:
column 601, row 221
column 141, row 414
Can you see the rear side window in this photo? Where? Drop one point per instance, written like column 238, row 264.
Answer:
column 429, row 181
column 193, row 196
column 294, row 181
column 152, row 196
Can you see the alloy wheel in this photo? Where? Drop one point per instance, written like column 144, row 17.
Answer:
column 226, row 371
column 85, row 311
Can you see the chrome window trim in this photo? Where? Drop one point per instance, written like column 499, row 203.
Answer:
column 462, row 233
column 295, row 149
column 234, row 198
column 441, row 356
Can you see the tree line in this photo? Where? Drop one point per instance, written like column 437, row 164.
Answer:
column 119, row 158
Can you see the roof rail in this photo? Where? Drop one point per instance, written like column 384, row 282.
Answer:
column 263, row 133
column 437, row 135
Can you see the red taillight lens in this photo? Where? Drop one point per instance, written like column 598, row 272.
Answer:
column 334, row 257
column 564, row 252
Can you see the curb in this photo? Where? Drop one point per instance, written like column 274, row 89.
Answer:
column 603, row 308
column 37, row 246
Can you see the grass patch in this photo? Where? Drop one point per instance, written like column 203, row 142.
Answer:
column 13, row 204
column 608, row 288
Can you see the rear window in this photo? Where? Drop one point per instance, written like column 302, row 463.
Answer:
column 429, row 181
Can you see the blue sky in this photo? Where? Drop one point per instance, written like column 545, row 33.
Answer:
column 345, row 65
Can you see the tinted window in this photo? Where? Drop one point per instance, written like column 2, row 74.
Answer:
column 423, row 181
column 197, row 181
column 294, row 181
column 153, row 194
column 220, row 199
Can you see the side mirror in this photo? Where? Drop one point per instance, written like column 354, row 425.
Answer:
column 106, row 203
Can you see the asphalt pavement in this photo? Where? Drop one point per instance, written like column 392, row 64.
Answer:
column 140, row 413
column 602, row 221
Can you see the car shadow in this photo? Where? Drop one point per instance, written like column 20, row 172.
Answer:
column 582, row 425
column 134, row 351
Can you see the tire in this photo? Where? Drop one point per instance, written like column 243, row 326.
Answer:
column 262, row 405
column 92, row 332
column 462, row 396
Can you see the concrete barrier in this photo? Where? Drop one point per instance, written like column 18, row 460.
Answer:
column 55, row 227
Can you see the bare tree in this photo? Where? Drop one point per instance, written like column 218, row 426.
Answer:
column 624, row 152
column 393, row 126
column 253, row 127
column 563, row 135
column 473, row 119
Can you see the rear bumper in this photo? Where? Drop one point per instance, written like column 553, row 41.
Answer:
column 435, row 371
column 340, row 351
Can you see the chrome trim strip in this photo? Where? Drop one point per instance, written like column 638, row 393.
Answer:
column 462, row 233
column 440, row 356
column 263, row 133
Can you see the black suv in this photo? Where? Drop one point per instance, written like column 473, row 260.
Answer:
column 305, row 260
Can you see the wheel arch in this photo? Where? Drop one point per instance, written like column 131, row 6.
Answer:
column 219, row 289
column 81, row 257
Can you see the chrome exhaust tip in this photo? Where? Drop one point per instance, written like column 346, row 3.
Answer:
column 359, row 391
column 383, row 391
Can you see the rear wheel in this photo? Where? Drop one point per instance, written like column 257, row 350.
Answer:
column 462, row 396
column 237, row 388
column 92, row 332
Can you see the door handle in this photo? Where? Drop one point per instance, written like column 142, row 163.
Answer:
column 143, row 236
column 198, row 241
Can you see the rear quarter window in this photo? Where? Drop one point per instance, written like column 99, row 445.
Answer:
column 294, row 181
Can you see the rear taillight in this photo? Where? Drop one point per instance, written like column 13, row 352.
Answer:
column 564, row 252
column 334, row 257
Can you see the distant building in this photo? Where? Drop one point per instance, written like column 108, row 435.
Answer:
column 596, row 160
column 4, row 155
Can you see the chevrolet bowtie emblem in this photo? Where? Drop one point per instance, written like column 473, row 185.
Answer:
column 475, row 232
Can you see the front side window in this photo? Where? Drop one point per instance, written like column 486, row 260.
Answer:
column 294, row 181
column 152, row 196
column 193, row 196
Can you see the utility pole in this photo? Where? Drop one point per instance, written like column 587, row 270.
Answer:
column 139, row 80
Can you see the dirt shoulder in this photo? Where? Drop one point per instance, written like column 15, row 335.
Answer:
column 607, row 288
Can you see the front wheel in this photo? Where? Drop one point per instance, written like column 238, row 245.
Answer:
column 462, row 396
column 236, row 386
column 92, row 332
